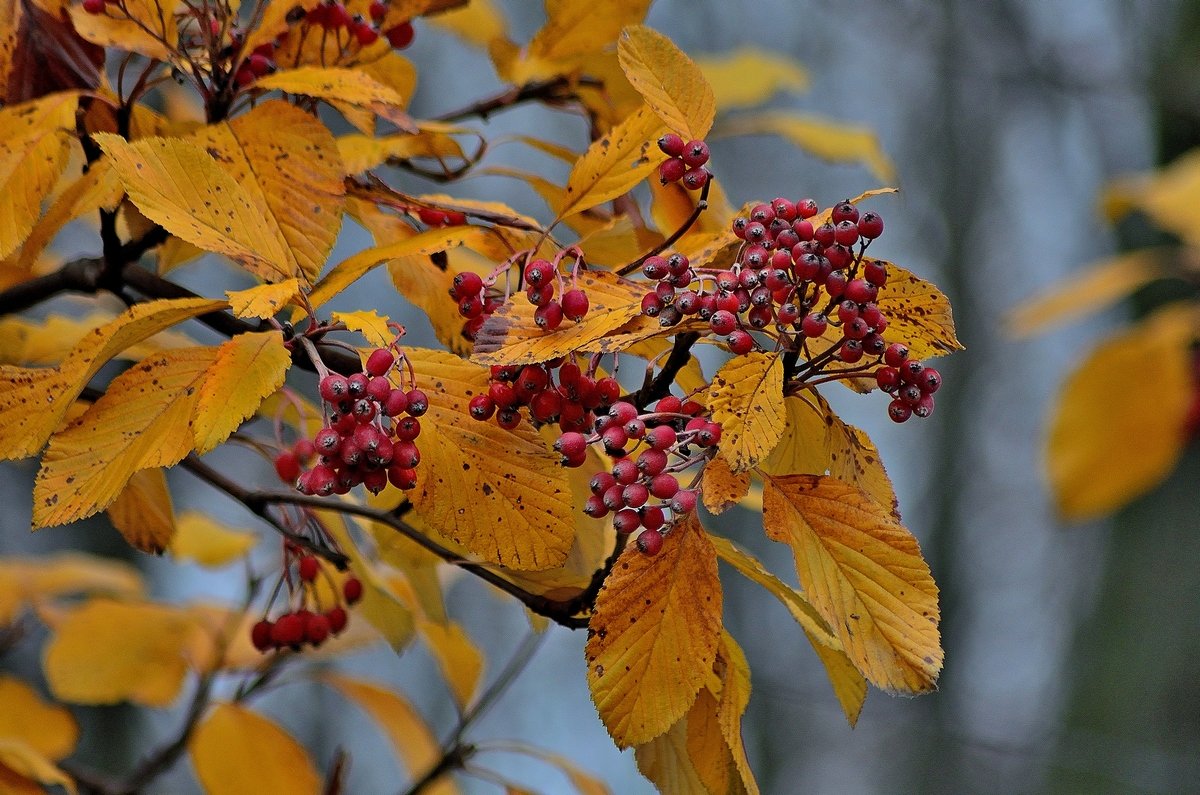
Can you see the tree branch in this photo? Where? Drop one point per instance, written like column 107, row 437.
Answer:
column 660, row 387
column 556, row 91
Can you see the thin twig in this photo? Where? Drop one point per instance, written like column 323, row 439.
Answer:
column 556, row 91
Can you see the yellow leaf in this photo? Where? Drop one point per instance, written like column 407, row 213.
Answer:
column 369, row 324
column 511, row 336
column 143, row 512
column 1109, row 444
column 1098, row 286
column 410, row 735
column 478, row 22
column 499, row 493
column 264, row 300
column 353, row 268
column 178, row 185
column 33, row 343
column 734, row 671
column 105, row 652
column 750, row 76
column 833, row 141
column 457, row 656
column 142, row 26
column 672, row 85
column 393, row 70
column 720, row 488
column 1170, row 196
column 198, row 537
column 364, row 152
column 21, row 766
column 573, row 28
column 287, row 163
column 98, row 188
column 42, row 579
column 863, row 572
column 24, row 431
column 48, row 729
column 274, row 21
column 653, row 636
column 817, row 442
column 584, row 783
column 34, row 144
column 666, row 761
column 614, row 164
column 235, row 751
column 350, row 86
column 746, row 400
column 247, row 368
column 848, row 684
column 142, row 421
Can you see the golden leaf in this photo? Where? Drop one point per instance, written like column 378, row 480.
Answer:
column 672, row 85
column 734, row 671
column 364, row 152
column 200, row 538
column 98, row 188
column 1109, row 445
column 45, row 578
column 1100, row 285
column 34, row 145
column 287, row 163
column 848, row 684
column 511, row 336
column 818, row 442
column 828, row 140
column 24, row 431
column 106, row 652
column 247, row 368
column 499, row 493
column 1169, row 196
column 477, row 23
column 614, row 164
column 25, row 771
column 142, row 421
column 349, row 86
column 263, row 300
column 457, row 656
column 178, row 185
column 720, row 488
column 142, row 26
column 750, row 76
column 369, row 324
column 653, row 636
column 408, row 732
column 274, row 21
column 354, row 267
column 746, row 400
column 143, row 512
column 863, row 572
column 47, row 728
column 235, row 750
column 573, row 29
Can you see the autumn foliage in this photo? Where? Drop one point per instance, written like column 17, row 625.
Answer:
column 564, row 444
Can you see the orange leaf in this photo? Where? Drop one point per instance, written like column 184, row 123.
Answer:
column 349, row 86
column 573, row 29
column 287, row 162
column 198, row 537
column 263, row 300
column 672, row 85
column 511, row 336
column 48, row 729
column 178, row 185
column 614, row 164
column 499, row 493
column 98, row 188
column 45, row 578
column 236, row 751
column 720, row 488
column 34, row 145
column 25, row 771
column 751, row 76
column 653, row 637
column 1109, row 445
column 246, row 369
column 457, row 656
column 23, row 431
column 863, row 572
column 143, row 512
column 142, row 421
column 836, row 142
column 746, row 399
column 142, row 26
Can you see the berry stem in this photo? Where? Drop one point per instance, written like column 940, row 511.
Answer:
column 701, row 206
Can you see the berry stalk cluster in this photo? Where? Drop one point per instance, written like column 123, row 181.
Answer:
column 554, row 391
column 305, row 621
column 549, row 285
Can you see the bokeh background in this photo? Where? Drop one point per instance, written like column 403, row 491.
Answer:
column 1071, row 651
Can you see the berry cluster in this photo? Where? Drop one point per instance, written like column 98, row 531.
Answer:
column 795, row 284
column 648, row 450
column 431, row 216
column 304, row 622
column 910, row 382
column 543, row 281
column 369, row 434
column 686, row 163
column 554, row 391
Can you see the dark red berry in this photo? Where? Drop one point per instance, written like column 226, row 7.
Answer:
column 337, row 619
column 352, row 589
column 400, row 36
column 695, row 178
column 260, row 635
column 575, row 304
column 308, row 568
column 287, row 466
column 671, row 145
column 899, row 411
column 671, row 171
column 380, row 361
column 870, row 225
column 695, row 154
column 481, row 407
column 650, row 541
column 844, row 211
column 895, row 355
column 418, row 402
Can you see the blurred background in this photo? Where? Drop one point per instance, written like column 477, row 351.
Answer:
column 1071, row 651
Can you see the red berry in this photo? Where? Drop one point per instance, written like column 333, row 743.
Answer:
column 899, row 411
column 352, row 589
column 316, row 628
column 652, row 462
column 539, row 272
column 380, row 361
column 661, row 437
column 910, row 371
column 288, row 630
column 260, row 635
column 671, row 171
column 740, row 342
column 481, row 407
column 807, row 208
column 625, row 471
column 549, row 317
column 93, row 6
column 923, row 407
column 870, row 225
column 695, row 154
column 334, row 388
column 655, row 268
column 723, row 322
column 406, row 455
column 401, row 35
column 671, row 145
column 594, row 507
column 466, row 283
column 287, row 466
column 635, row 495
column 845, row 233
column 851, row 350
column 814, row 324
column 396, row 403
column 888, row 379
column 896, row 354
column 844, row 211
column 650, row 541
column 378, row 10
column 365, row 34
column 337, row 620
column 378, row 389
column 571, row 444
column 664, row 486
column 683, row 502
column 356, row 385
column 260, row 64
column 308, row 568
column 669, row 405
column 627, row 520
column 929, row 380
column 402, row 478
column 575, row 304
column 418, row 402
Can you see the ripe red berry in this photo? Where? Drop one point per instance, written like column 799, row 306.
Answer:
column 352, row 589
column 845, row 233
column 316, row 628
column 695, row 178
column 669, row 404
column 695, row 154
column 661, row 437
column 418, row 402
column 895, row 355
column 650, row 541
column 337, row 619
column 93, row 6
column 402, row 478
column 406, row 455
column 380, row 361
column 627, row 520
column 888, row 379
column 740, row 342
column 466, row 284
column 288, row 630
column 651, row 462
column 671, row 171
column 378, row 389
column 923, row 407
column 664, row 486
column 910, row 371
column 814, row 324
column 899, row 411
column 929, row 380
column 635, row 495
column 683, row 502
column 365, row 34
column 308, row 568
column 851, row 350
column 401, row 35
column 625, row 471
column 594, row 507
column 481, row 407
column 260, row 635
column 396, row 403
column 844, row 211
column 549, row 317
column 671, row 145
column 723, row 322
column 575, row 304
column 870, row 225
column 287, row 466
column 260, row 64
column 571, row 444
column 377, row 10
column 334, row 388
